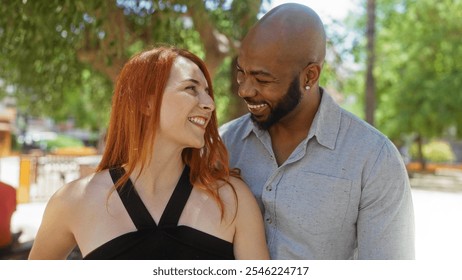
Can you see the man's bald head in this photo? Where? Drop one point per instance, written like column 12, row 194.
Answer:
column 293, row 32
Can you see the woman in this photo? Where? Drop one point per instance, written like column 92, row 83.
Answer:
column 163, row 189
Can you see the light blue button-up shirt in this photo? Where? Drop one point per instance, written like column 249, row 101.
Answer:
column 343, row 193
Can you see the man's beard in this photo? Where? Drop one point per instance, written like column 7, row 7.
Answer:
column 288, row 102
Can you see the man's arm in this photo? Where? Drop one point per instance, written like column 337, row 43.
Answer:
column 385, row 225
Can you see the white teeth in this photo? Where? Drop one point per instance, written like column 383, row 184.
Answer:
column 256, row 106
column 197, row 120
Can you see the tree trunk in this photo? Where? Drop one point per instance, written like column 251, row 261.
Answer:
column 370, row 81
column 216, row 45
column 98, row 62
column 236, row 106
column 420, row 155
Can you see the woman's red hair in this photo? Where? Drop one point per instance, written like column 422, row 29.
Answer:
column 128, row 143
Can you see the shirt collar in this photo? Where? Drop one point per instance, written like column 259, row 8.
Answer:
column 326, row 123
column 325, row 126
column 249, row 127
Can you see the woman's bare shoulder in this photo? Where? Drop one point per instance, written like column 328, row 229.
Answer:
column 78, row 193
column 236, row 195
column 235, row 187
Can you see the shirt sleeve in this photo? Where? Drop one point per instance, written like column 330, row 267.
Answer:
column 385, row 225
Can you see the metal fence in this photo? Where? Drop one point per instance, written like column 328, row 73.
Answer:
column 51, row 173
column 46, row 174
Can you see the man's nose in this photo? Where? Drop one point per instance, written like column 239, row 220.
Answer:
column 246, row 89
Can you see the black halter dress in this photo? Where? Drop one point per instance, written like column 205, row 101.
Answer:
column 167, row 240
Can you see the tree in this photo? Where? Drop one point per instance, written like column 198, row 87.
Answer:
column 417, row 68
column 370, row 80
column 420, row 69
column 55, row 51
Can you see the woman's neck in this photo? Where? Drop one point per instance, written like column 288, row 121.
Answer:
column 162, row 170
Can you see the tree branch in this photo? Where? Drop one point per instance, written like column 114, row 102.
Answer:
column 107, row 54
column 216, row 45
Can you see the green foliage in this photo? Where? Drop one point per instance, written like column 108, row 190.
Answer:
column 345, row 62
column 39, row 40
column 435, row 151
column 63, row 141
column 15, row 146
column 418, row 66
column 226, row 16
column 60, row 58
column 221, row 88
column 419, row 74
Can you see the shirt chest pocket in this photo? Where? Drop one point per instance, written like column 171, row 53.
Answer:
column 313, row 203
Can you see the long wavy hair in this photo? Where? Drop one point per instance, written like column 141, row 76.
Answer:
column 128, row 142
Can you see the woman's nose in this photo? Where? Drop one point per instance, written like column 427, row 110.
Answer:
column 207, row 103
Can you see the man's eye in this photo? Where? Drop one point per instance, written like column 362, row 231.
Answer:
column 263, row 82
column 240, row 76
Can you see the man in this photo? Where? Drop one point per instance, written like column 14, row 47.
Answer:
column 7, row 208
column 330, row 186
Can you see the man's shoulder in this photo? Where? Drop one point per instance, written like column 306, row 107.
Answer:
column 359, row 134
column 236, row 127
column 335, row 121
column 363, row 129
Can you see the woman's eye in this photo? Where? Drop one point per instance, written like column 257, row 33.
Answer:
column 191, row 89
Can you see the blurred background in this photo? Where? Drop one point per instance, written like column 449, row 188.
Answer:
column 395, row 63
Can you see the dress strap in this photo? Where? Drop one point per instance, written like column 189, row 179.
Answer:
column 132, row 201
column 177, row 201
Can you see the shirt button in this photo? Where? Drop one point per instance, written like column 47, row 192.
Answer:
column 269, row 188
column 269, row 220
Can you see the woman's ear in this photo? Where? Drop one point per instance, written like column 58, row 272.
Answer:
column 147, row 108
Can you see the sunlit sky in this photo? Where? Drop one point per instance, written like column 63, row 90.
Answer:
column 327, row 9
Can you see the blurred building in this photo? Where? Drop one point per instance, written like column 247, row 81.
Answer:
column 7, row 121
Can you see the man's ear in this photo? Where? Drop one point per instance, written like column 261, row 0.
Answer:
column 312, row 73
